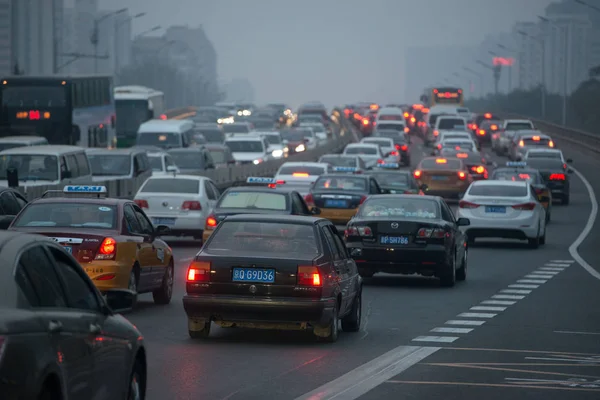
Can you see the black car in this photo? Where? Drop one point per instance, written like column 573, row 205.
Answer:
column 556, row 176
column 405, row 234
column 344, row 163
column 59, row 337
column 398, row 182
column 11, row 203
column 401, row 142
column 274, row 272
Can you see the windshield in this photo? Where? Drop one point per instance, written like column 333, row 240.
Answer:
column 155, row 163
column 273, row 139
column 68, row 215
column 30, row 167
column 509, row 175
column 382, row 143
column 451, row 123
column 498, row 190
column 254, row 200
column 34, row 96
column 545, row 163
column 341, row 183
column 130, row 115
column 212, row 135
column 292, row 136
column 440, row 164
column 245, row 146
column 172, row 185
column 164, row 140
column 396, row 127
column 187, row 159
column 266, row 238
column 394, row 180
column 361, row 150
column 300, row 170
column 339, row 161
column 110, row 165
column 399, row 208
column 236, row 128
column 518, row 126
column 218, row 156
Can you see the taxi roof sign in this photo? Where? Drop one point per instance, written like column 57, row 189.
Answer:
column 516, row 164
column 345, row 169
column 259, row 179
column 85, row 189
column 388, row 165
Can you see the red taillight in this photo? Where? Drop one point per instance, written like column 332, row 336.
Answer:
column 413, row 120
column 439, row 146
column 551, row 144
column 363, row 231
column 309, row 198
column 426, row 233
column 435, row 133
column 397, row 146
column 107, row 250
column 481, row 132
column 380, row 161
column 199, row 271
column 308, row 276
column 467, row 204
column 141, row 203
column 365, row 121
column 404, row 147
column 211, row 222
column 362, row 199
column 191, row 205
column 462, row 176
column 565, row 166
column 406, row 130
column 478, row 170
column 417, row 174
column 557, row 177
column 526, row 206
column 393, row 153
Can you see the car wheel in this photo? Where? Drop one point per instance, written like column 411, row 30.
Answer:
column 448, row 279
column 333, row 327
column 535, row 242
column 461, row 274
column 163, row 294
column 351, row 322
column 136, row 384
column 133, row 282
column 203, row 333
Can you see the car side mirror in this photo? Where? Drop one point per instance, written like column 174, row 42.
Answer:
column 569, row 160
column 424, row 187
column 315, row 211
column 120, row 300
column 5, row 221
column 463, row 222
column 162, row 230
column 171, row 168
column 544, row 199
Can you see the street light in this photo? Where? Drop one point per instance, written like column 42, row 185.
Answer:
column 503, row 47
column 583, row 3
column 146, row 32
column 480, row 79
column 566, row 66
column 118, row 25
column 542, row 42
column 94, row 38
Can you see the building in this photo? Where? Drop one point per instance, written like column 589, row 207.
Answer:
column 66, row 64
column 6, row 55
column 239, row 90
column 85, row 14
column 114, row 41
column 529, row 43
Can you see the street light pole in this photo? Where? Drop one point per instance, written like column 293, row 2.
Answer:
column 118, row 25
column 95, row 39
column 542, row 43
column 566, row 66
column 511, row 65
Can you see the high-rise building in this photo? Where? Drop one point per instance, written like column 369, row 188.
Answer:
column 67, row 64
column 85, row 14
column 529, row 44
column 6, row 32
column 114, row 41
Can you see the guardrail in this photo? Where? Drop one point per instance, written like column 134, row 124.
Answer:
column 225, row 177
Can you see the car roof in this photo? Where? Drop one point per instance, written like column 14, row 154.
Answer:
column 244, row 138
column 215, row 146
column 44, row 150
column 159, row 125
column 342, row 175
column 22, row 139
column 192, row 149
column 390, row 111
column 518, row 121
column 534, row 150
column 179, row 176
column 304, row 164
column 293, row 219
column 157, row 153
column 493, row 182
column 388, row 172
column 128, row 151
column 541, row 135
column 368, row 145
column 405, row 196
column 340, row 156
column 261, row 189
column 67, row 199
column 373, row 138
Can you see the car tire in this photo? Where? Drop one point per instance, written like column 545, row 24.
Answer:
column 204, row 333
column 566, row 199
column 351, row 322
column 543, row 239
column 461, row 273
column 133, row 282
column 448, row 278
column 333, row 327
column 137, row 389
column 535, row 242
column 163, row 294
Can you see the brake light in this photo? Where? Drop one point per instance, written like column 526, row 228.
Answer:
column 479, row 169
column 494, row 127
column 427, row 233
column 435, row 133
column 365, row 121
column 404, row 147
column 274, row 185
column 308, row 276
column 467, row 204
column 551, row 143
column 487, row 116
column 380, row 161
column 441, row 160
column 308, row 199
column 107, row 250
column 141, row 203
column 521, row 143
column 406, row 130
column 301, row 174
column 211, row 222
column 393, row 153
column 557, row 177
column 439, row 146
column 525, row 207
column 363, row 231
column 462, row 155
column 397, row 146
column 362, row 199
column 536, row 138
column 565, row 166
column 481, row 132
column 417, row 174
column 413, row 120
column 462, row 176
column 406, row 115
column 199, row 271
column 191, row 205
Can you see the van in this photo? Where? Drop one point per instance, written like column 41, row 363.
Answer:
column 391, row 118
column 116, row 164
column 46, row 165
column 166, row 134
column 11, row 142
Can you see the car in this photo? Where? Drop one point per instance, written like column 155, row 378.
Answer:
column 262, row 122
column 59, row 337
column 522, row 142
column 344, row 163
column 446, row 177
column 249, row 149
column 236, row 128
column 294, row 140
column 519, row 171
column 503, row 209
column 220, row 154
column 446, row 123
column 300, row 176
column 162, row 163
column 518, row 125
column 196, row 159
column 463, row 139
column 257, row 200
column 274, row 271
column 555, row 174
column 276, row 148
column 487, row 129
column 113, row 239
column 482, row 117
column 11, row 204
column 502, row 139
column 391, row 155
column 371, row 154
column 401, row 143
column 472, row 159
column 546, row 153
column 405, row 234
column 398, row 182
column 319, row 129
column 212, row 132
column 456, row 144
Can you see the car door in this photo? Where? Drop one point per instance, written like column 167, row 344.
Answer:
column 459, row 236
column 145, row 256
column 346, row 284
column 154, row 255
column 338, row 270
column 210, row 195
column 67, row 329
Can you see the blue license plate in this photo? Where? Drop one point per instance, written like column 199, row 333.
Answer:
column 393, row 239
column 163, row 221
column 336, row 204
column 439, row 178
column 253, row 275
column 495, row 209
column 69, row 249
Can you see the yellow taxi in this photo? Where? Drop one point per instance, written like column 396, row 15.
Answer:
column 444, row 176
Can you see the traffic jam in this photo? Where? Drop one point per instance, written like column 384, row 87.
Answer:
column 410, row 195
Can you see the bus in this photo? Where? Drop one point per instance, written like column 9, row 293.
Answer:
column 69, row 110
column 135, row 105
column 443, row 95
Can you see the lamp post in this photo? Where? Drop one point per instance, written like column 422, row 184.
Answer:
column 95, row 39
column 480, row 79
column 496, row 72
column 146, row 32
column 510, row 66
column 118, row 25
column 542, row 43
column 566, row 66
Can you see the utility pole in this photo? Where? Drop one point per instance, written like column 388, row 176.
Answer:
column 95, row 35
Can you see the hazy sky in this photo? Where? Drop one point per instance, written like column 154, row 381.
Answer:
column 336, row 51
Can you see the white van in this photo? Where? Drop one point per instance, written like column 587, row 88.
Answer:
column 11, row 142
column 166, row 134
column 46, row 165
column 118, row 164
column 391, row 118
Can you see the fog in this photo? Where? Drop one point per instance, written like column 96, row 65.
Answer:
column 335, row 51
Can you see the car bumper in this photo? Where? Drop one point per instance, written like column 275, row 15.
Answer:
column 179, row 224
column 109, row 274
column 337, row 216
column 398, row 260
column 518, row 228
column 252, row 309
column 453, row 193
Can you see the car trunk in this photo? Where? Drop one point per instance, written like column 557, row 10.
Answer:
column 167, row 203
column 337, row 199
column 403, row 234
column 497, row 207
column 439, row 177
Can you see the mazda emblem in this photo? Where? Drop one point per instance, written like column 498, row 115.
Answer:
column 165, row 203
column 252, row 289
column 394, row 225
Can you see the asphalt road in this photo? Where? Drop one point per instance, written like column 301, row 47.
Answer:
column 525, row 324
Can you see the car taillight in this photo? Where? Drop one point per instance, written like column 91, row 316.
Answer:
column 417, row 173
column 426, row 233
column 521, row 143
column 478, row 169
column 462, row 176
column 198, row 271
column 393, row 153
column 141, row 203
column 413, row 120
column 467, row 204
column 565, row 166
column 191, row 205
column 397, row 146
column 363, row 231
column 557, row 177
column 308, row 276
column 526, row 206
column 362, row 199
column 365, row 121
column 406, row 130
column 481, row 132
column 439, row 146
column 211, row 222
column 107, row 250
column 435, row 133
column 309, row 199
column 380, row 161
column 551, row 144
column 404, row 147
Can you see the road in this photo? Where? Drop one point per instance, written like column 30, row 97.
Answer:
column 525, row 324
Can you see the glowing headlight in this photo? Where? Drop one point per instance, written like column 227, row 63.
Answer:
column 228, row 120
column 257, row 161
column 277, row 153
column 300, row 148
column 239, row 113
column 286, row 150
column 246, row 113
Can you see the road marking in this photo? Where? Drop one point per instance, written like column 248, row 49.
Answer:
column 492, row 385
column 451, row 330
column 360, row 380
column 534, row 276
column 499, row 302
column 438, row 339
column 540, row 281
column 546, row 272
column 552, row 269
column 483, row 308
column 515, row 291
column 476, row 315
column 563, row 261
column 507, row 296
column 557, row 265
column 578, row 333
column 465, row 323
column 524, row 286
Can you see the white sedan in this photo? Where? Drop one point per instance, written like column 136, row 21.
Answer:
column 503, row 209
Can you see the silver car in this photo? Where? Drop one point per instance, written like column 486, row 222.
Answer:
column 523, row 142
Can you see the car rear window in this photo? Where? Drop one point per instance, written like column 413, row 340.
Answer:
column 391, row 134
column 171, row 185
column 545, row 163
column 498, row 190
column 391, row 117
column 451, row 123
column 530, row 177
column 544, row 154
column 300, row 170
column 395, row 180
column 380, row 142
column 254, row 200
column 268, row 238
column 361, row 150
column 68, row 215
column 233, row 128
column 399, row 207
column 212, row 135
column 440, row 163
column 341, row 183
column 467, row 146
column 337, row 161
column 395, row 126
column 520, row 126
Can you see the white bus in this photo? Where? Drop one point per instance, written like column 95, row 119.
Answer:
column 136, row 105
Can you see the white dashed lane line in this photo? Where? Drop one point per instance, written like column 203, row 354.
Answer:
column 536, row 281
column 463, row 322
column 444, row 329
column 437, row 339
column 499, row 302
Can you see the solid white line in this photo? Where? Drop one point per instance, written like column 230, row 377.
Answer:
column 557, row 265
column 587, row 229
column 485, row 308
column 499, row 302
column 545, row 272
column 538, row 276
column 578, row 333
column 451, row 330
column 464, row 323
column 524, row 286
column 359, row 381
column 563, row 261
column 507, row 296
column 439, row 339
column 515, row 291
column 476, row 315
column 531, row 281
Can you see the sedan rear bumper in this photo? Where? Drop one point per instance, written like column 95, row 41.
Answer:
column 428, row 260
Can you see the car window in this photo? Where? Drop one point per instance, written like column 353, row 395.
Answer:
column 303, row 207
column 331, row 242
column 38, row 267
column 145, row 223
column 210, row 194
column 447, row 213
column 133, row 225
column 215, row 189
column 374, row 188
column 341, row 248
column 20, row 201
column 9, row 204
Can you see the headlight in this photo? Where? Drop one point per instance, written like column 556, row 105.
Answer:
column 239, row 113
column 277, row 153
column 300, row 148
column 257, row 161
column 286, row 150
column 246, row 113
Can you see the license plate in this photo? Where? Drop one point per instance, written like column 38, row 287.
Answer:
column 163, row 221
column 253, row 275
column 495, row 209
column 336, row 204
column 69, row 249
column 439, row 178
column 393, row 239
